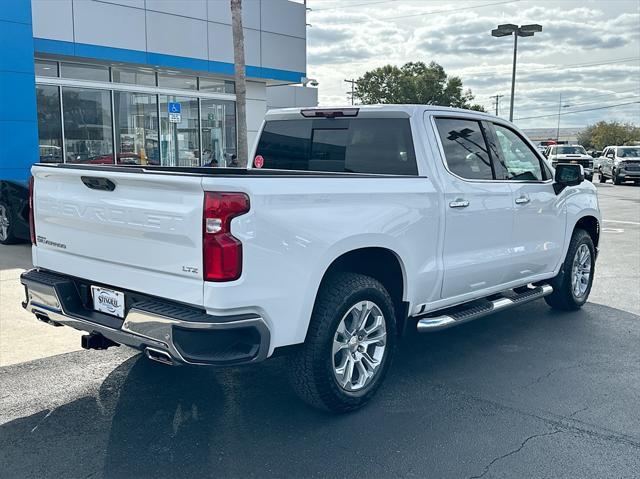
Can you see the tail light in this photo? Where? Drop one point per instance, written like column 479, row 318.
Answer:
column 32, row 224
column 221, row 251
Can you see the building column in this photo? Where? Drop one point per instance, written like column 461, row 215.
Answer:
column 18, row 113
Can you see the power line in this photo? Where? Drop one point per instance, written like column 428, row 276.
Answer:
column 351, row 5
column 578, row 111
column 435, row 12
column 589, row 102
column 450, row 10
column 586, row 65
column 588, row 96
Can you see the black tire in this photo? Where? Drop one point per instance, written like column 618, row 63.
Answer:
column 7, row 220
column 603, row 179
column 563, row 296
column 311, row 368
column 616, row 178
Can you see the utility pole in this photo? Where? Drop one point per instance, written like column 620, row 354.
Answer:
column 560, row 107
column 242, row 155
column 353, row 89
column 497, row 97
column 559, row 111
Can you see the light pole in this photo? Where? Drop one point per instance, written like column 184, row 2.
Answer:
column 517, row 31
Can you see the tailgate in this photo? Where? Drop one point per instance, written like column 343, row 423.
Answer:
column 129, row 229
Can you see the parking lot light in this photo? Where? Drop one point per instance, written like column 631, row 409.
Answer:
column 505, row 30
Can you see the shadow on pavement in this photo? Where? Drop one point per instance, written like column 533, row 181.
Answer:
column 452, row 401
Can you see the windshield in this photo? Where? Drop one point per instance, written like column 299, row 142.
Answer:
column 630, row 152
column 570, row 150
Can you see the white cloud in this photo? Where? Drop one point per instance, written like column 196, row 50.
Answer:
column 346, row 42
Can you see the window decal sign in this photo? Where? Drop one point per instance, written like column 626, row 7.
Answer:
column 258, row 161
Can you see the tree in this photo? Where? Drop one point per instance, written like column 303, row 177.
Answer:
column 604, row 134
column 414, row 82
column 241, row 81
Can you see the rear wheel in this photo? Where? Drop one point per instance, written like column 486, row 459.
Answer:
column 572, row 286
column 349, row 345
column 7, row 235
column 603, row 179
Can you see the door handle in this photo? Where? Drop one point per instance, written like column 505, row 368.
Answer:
column 523, row 200
column 459, row 204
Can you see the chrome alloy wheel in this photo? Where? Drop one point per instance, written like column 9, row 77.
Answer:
column 581, row 271
column 4, row 223
column 359, row 345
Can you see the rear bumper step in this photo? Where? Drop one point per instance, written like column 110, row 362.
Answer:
column 168, row 332
column 478, row 309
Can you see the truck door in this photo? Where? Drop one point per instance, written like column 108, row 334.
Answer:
column 539, row 214
column 479, row 209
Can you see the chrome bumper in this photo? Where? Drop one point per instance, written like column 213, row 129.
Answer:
column 147, row 326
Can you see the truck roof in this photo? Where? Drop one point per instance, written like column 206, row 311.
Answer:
column 374, row 111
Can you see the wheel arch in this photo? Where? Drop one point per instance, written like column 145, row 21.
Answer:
column 380, row 263
column 591, row 225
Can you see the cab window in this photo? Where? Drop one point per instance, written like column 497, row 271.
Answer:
column 519, row 161
column 357, row 145
column 465, row 149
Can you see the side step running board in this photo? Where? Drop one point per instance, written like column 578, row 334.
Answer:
column 478, row 309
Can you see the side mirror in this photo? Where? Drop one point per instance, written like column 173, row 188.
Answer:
column 567, row 175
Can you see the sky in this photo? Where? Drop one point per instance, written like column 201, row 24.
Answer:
column 588, row 52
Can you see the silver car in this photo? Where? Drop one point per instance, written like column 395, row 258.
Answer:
column 620, row 164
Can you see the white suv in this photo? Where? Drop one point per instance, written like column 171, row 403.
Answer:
column 620, row 164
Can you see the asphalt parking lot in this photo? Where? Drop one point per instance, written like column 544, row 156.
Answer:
column 525, row 393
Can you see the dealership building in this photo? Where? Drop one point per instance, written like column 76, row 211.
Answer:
column 140, row 81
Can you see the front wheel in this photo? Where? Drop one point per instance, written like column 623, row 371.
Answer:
column 7, row 235
column 616, row 179
column 572, row 286
column 349, row 345
column 603, row 179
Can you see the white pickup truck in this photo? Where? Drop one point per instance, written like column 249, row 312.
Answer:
column 351, row 225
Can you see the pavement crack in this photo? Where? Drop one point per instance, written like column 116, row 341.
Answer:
column 576, row 412
column 552, row 371
column 487, row 468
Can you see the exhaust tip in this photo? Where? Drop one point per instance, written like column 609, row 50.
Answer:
column 158, row 356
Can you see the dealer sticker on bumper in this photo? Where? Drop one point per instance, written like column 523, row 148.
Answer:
column 108, row 301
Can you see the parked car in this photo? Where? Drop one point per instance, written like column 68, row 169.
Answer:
column 571, row 154
column 620, row 164
column 351, row 225
column 14, row 212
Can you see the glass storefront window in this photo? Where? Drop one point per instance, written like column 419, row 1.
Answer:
column 79, row 71
column 179, row 141
column 180, row 82
column 136, row 116
column 46, row 68
column 218, row 133
column 87, row 125
column 49, row 124
column 133, row 76
column 216, row 86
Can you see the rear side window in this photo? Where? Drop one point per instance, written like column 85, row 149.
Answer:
column 355, row 145
column 465, row 149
